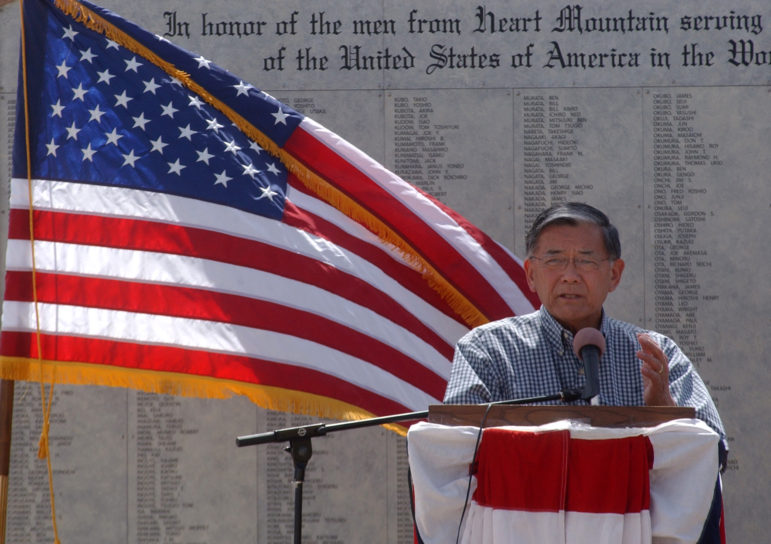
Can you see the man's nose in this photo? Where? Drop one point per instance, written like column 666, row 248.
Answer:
column 570, row 273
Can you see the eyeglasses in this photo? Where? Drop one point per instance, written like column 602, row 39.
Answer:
column 582, row 264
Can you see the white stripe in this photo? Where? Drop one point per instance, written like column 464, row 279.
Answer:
column 435, row 218
column 487, row 525
column 590, row 528
column 214, row 337
column 176, row 270
column 131, row 203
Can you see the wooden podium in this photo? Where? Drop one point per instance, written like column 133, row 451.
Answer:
column 598, row 416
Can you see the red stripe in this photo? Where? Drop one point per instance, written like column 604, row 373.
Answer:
column 185, row 302
column 722, row 521
column 179, row 240
column 173, row 359
column 551, row 472
column 433, row 248
column 512, row 470
column 610, row 476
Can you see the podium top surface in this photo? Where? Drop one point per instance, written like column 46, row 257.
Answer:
column 598, row 416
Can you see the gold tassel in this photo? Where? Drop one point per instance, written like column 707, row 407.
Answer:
column 42, row 446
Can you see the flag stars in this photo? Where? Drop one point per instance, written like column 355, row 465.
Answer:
column 88, row 153
column 195, row 102
column 69, row 33
column 123, row 136
column 105, row 77
column 72, row 132
column 63, row 69
column 158, row 145
column 222, row 179
column 241, row 89
column 113, row 137
column 187, row 133
column 132, row 65
column 204, row 156
column 202, row 62
column 212, row 124
column 140, row 121
column 267, row 192
column 57, row 109
column 151, row 86
column 96, row 114
column 175, row 167
column 79, row 93
column 51, row 147
column 232, row 147
column 129, row 159
column 280, row 116
column 87, row 56
column 169, row 110
column 250, row 170
column 122, row 99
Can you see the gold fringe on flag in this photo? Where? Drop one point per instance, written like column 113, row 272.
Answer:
column 185, row 385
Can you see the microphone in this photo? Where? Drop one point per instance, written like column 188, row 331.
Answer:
column 589, row 345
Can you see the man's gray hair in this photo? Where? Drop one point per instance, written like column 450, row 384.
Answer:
column 574, row 213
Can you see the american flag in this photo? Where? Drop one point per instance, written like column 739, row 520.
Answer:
column 187, row 233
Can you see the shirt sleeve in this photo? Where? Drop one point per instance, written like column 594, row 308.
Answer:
column 471, row 378
column 688, row 389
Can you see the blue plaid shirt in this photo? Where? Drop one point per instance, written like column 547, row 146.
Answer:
column 532, row 355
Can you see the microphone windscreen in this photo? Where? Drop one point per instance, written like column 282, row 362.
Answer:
column 588, row 336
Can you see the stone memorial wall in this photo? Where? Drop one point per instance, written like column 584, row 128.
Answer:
column 658, row 112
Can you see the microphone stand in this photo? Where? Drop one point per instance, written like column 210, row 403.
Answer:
column 301, row 449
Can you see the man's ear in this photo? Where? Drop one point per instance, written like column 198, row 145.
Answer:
column 616, row 270
column 528, row 265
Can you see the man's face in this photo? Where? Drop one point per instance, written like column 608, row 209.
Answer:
column 573, row 291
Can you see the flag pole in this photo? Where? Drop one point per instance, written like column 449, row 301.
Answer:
column 6, row 421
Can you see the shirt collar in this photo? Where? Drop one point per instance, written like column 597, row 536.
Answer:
column 558, row 336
